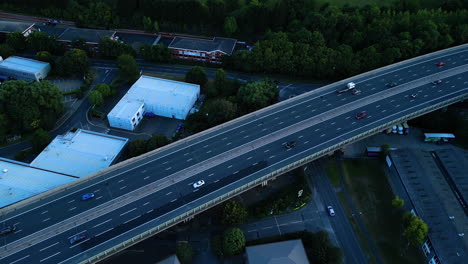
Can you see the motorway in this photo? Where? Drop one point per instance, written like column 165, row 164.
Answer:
column 156, row 186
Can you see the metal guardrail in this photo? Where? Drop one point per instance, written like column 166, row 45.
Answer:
column 134, row 240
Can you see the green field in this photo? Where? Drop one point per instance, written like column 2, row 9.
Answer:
column 372, row 196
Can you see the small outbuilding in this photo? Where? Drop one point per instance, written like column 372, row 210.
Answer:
column 24, row 69
column 153, row 95
column 286, row 252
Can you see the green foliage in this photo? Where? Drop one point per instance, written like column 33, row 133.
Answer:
column 284, row 200
column 40, row 41
column 212, row 113
column 21, row 155
column 219, row 82
column 112, row 49
column 95, row 98
column 6, row 51
column 196, row 75
column 104, row 89
column 385, row 150
column 234, row 213
column 16, row 40
column 415, row 229
column 27, row 106
column 141, row 146
column 184, row 253
column 40, row 140
column 46, row 57
column 233, row 242
column 257, row 95
column 73, row 62
column 96, row 13
column 156, row 141
column 128, row 68
column 156, row 53
column 230, row 25
column 149, row 25
column 217, row 245
column 398, row 203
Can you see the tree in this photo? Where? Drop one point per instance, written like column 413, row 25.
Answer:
column 30, row 105
column 415, row 229
column 156, row 53
column 73, row 62
column 95, row 98
column 220, row 81
column 112, row 48
column 40, row 41
column 398, row 203
column 230, row 25
column 234, row 213
column 196, row 75
column 155, row 27
column 384, row 150
column 104, row 89
column 45, row 56
column 218, row 111
column 257, row 95
column 16, row 40
column 136, row 148
column 156, row 141
column 233, row 241
column 147, row 24
column 40, row 140
column 184, row 253
column 128, row 68
column 217, row 245
column 6, row 51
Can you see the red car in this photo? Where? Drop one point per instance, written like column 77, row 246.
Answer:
column 361, row 115
column 440, row 63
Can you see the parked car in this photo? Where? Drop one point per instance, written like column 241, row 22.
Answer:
column 356, row 92
column 198, row 184
column 77, row 238
column 392, row 84
column 437, row 82
column 440, row 63
column 361, row 115
column 6, row 230
column 290, row 144
column 330, row 210
column 87, row 196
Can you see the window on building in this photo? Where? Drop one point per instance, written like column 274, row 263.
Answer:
column 133, row 119
column 138, row 114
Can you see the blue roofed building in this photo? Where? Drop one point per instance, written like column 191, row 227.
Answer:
column 24, row 69
column 67, row 158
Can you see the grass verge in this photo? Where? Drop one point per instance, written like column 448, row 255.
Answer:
column 332, row 172
column 371, row 193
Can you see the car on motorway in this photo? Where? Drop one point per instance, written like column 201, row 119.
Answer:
column 361, row 115
column 198, row 184
column 330, row 210
column 356, row 92
column 392, row 84
column 7, row 230
column 290, row 144
column 77, row 238
column 437, row 82
column 87, row 196
column 440, row 63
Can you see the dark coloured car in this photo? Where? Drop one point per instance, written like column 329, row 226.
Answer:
column 290, row 144
column 361, row 115
column 87, row 196
column 437, row 82
column 77, row 238
column 393, row 84
column 6, row 230
column 440, row 63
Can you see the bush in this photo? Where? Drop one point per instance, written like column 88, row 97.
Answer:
column 234, row 213
column 233, row 242
column 21, row 155
column 184, row 253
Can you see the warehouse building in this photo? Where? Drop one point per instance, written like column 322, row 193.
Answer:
column 156, row 96
column 207, row 50
column 24, row 69
column 66, row 159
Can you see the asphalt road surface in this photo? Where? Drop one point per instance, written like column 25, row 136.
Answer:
column 152, row 190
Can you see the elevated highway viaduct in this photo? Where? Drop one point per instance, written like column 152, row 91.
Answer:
column 140, row 197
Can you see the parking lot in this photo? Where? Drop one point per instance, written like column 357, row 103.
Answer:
column 66, row 86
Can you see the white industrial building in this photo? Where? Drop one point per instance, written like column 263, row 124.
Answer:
column 24, row 69
column 160, row 97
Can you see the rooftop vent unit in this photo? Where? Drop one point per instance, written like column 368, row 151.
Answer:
column 5, row 170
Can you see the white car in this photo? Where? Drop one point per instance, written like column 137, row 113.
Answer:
column 198, row 184
column 330, row 210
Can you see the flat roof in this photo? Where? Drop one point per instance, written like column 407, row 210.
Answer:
column 19, row 181
column 155, row 91
column 23, row 64
column 89, row 35
column 285, row 252
column 80, row 153
column 435, row 202
column 14, row 26
column 446, row 135
column 225, row 45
